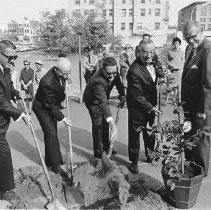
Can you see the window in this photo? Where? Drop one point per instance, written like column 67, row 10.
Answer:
column 104, row 12
column 150, row 11
column 130, row 1
column 131, row 26
column 202, row 26
column 157, row 1
column 123, row 12
column 122, row 26
column 91, row 2
column 157, row 12
column 77, row 2
column 143, row 11
column 110, row 12
column 130, row 12
column 157, row 26
column 139, row 26
column 142, row 1
column 111, row 1
column 111, row 26
column 123, row 1
column 209, row 26
column 201, row 19
column 210, row 19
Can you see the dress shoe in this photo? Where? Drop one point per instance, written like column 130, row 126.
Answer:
column 133, row 167
column 61, row 172
column 10, row 196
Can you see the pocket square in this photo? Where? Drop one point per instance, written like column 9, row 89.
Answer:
column 194, row 67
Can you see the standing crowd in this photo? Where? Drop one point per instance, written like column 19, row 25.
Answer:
column 136, row 82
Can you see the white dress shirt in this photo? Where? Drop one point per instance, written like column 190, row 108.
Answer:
column 151, row 70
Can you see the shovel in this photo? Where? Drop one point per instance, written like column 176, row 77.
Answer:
column 72, row 191
column 106, row 157
column 52, row 204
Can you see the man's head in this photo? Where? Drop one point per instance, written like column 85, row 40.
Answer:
column 192, row 33
column 176, row 42
column 7, row 52
column 146, row 37
column 127, row 47
column 39, row 64
column 64, row 67
column 110, row 68
column 147, row 51
column 26, row 64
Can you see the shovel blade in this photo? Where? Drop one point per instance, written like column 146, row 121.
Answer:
column 73, row 194
column 55, row 205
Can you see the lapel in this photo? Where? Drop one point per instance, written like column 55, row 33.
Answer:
column 59, row 87
column 3, row 79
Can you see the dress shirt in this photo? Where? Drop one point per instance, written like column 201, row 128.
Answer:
column 151, row 70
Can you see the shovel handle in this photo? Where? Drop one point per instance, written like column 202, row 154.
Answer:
column 40, row 154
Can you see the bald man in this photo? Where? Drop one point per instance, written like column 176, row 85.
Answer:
column 196, row 88
column 47, row 108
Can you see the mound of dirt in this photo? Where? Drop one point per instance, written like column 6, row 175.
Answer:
column 112, row 190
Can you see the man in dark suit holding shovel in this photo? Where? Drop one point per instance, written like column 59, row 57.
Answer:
column 47, row 108
column 196, row 89
column 141, row 100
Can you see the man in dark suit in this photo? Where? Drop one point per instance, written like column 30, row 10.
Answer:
column 141, row 100
column 7, row 111
column 196, row 89
column 96, row 97
column 47, row 108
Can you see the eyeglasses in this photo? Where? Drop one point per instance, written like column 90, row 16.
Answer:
column 112, row 73
column 188, row 38
column 148, row 53
column 10, row 57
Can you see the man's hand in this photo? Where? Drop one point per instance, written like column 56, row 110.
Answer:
column 22, row 94
column 122, row 102
column 67, row 122
column 201, row 115
column 156, row 111
column 27, row 120
column 113, row 128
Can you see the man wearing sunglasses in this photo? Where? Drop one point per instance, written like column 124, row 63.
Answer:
column 47, row 108
column 141, row 100
column 196, row 89
column 7, row 111
column 96, row 97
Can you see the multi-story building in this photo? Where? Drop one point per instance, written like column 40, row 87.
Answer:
column 129, row 18
column 190, row 12
column 26, row 31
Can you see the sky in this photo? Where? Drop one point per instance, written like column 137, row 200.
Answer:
column 17, row 9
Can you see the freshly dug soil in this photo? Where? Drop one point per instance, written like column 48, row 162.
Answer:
column 112, row 190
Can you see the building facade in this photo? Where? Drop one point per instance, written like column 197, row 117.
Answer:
column 26, row 31
column 194, row 11
column 128, row 18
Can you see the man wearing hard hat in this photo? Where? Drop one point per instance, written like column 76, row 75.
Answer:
column 47, row 108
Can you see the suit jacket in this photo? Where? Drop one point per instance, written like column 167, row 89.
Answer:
column 141, row 91
column 7, row 110
column 97, row 93
column 50, row 95
column 196, row 80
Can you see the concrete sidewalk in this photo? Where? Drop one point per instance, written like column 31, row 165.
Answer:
column 24, row 152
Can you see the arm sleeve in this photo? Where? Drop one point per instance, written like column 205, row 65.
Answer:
column 50, row 98
column 204, row 105
column 100, row 94
column 6, row 107
column 119, row 86
column 122, row 62
column 136, row 92
column 21, row 75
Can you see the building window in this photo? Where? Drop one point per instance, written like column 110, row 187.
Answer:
column 130, row 12
column 210, row 19
column 157, row 12
column 142, row 1
column 77, row 2
column 104, row 12
column 157, row 1
column 111, row 1
column 143, row 12
column 91, row 2
column 209, row 26
column 150, row 11
column 110, row 12
column 204, row 19
column 131, row 26
column 123, row 1
column 202, row 26
column 157, row 26
column 123, row 12
column 130, row 1
column 122, row 26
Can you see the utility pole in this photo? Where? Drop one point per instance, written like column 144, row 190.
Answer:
column 80, row 69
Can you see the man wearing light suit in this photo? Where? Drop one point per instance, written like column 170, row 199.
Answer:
column 196, row 89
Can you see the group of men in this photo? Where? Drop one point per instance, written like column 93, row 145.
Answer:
column 141, row 97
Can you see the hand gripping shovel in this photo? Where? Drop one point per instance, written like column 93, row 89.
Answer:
column 53, row 204
column 105, row 157
column 72, row 191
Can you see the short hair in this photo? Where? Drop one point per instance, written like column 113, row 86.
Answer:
column 191, row 23
column 146, row 34
column 109, row 61
column 144, row 42
column 176, row 39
